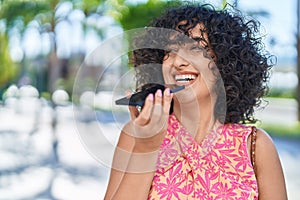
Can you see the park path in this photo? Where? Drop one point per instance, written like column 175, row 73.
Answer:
column 46, row 159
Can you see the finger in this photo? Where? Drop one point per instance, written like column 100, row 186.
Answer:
column 158, row 97
column 145, row 114
column 134, row 113
column 167, row 101
column 161, row 109
column 157, row 110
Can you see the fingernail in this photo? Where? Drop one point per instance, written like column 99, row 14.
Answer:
column 159, row 93
column 168, row 92
column 150, row 97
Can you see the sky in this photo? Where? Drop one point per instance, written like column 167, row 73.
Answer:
column 281, row 24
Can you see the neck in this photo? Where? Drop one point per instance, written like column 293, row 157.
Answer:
column 196, row 117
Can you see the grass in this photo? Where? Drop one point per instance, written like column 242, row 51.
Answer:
column 286, row 131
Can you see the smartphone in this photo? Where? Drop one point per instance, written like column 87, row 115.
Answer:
column 138, row 98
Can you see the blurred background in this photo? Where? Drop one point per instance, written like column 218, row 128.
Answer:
column 43, row 44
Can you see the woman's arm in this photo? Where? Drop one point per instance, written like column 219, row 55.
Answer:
column 271, row 183
column 124, row 183
column 136, row 154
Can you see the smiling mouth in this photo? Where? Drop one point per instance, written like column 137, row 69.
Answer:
column 185, row 78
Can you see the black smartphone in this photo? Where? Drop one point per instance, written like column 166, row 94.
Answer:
column 138, row 98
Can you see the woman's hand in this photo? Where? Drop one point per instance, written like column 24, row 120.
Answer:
column 149, row 126
column 136, row 154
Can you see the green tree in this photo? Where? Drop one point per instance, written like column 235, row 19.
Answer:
column 7, row 67
column 132, row 16
column 18, row 14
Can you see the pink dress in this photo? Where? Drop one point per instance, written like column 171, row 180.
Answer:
column 217, row 168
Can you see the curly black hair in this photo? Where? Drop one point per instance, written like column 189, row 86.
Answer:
column 240, row 55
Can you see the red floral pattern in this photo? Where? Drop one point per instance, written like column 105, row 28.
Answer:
column 217, row 168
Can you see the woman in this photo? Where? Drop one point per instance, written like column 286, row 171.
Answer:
column 194, row 144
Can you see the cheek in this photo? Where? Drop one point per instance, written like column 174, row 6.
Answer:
column 166, row 69
column 166, row 73
column 200, row 86
column 206, row 85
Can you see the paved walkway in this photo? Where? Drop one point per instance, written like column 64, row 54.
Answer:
column 289, row 152
column 42, row 159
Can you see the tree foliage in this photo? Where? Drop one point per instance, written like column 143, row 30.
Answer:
column 16, row 15
column 132, row 16
column 14, row 11
column 7, row 67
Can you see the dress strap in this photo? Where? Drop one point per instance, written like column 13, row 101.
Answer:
column 252, row 149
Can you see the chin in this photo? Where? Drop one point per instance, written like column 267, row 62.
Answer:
column 188, row 95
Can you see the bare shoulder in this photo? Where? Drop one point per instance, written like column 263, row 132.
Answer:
column 265, row 152
column 269, row 171
column 264, row 143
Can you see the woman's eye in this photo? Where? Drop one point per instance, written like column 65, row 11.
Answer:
column 197, row 48
column 171, row 51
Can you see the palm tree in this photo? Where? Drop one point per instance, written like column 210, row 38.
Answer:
column 10, row 21
column 18, row 14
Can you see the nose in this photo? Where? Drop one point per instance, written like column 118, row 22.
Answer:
column 179, row 62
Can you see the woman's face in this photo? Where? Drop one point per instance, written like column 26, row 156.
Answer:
column 187, row 65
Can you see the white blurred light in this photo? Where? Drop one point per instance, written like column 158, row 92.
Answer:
column 63, row 9
column 87, row 98
column 60, row 97
column 32, row 42
column 12, row 91
column 29, row 91
column 16, row 54
column 103, row 100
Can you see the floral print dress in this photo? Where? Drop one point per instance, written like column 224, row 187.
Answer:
column 217, row 168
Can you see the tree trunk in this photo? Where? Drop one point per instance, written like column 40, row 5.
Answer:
column 53, row 71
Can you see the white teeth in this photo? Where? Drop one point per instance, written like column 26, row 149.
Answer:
column 185, row 77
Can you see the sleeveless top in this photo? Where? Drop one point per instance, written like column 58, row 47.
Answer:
column 217, row 168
